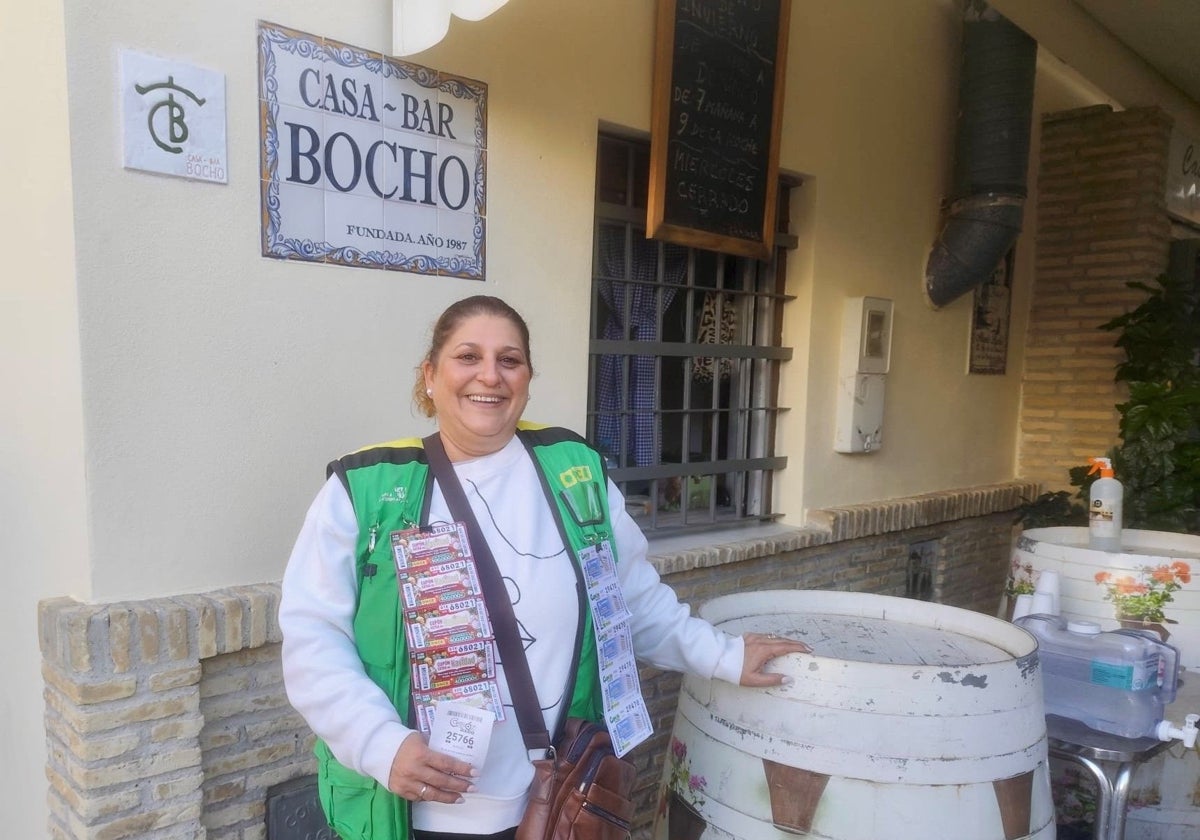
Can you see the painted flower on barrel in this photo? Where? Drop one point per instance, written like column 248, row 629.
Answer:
column 682, row 780
column 1020, row 579
column 1143, row 597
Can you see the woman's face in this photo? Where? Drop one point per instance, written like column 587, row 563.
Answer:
column 480, row 384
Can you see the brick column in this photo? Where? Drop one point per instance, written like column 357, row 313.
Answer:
column 166, row 718
column 1101, row 222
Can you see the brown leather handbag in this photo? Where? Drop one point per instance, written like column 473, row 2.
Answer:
column 582, row 790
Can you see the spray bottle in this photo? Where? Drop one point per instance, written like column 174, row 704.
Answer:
column 1104, row 512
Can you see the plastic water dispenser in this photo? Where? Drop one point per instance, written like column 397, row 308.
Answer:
column 1118, row 681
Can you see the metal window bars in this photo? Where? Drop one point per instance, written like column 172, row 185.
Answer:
column 683, row 366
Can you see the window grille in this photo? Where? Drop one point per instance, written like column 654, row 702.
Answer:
column 684, row 361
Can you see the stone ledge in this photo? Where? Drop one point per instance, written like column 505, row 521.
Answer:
column 873, row 518
column 132, row 636
column 671, row 555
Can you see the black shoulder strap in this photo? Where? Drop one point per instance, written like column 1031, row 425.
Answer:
column 508, row 638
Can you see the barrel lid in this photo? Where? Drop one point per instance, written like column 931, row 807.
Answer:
column 877, row 640
column 1148, row 547
column 1084, row 628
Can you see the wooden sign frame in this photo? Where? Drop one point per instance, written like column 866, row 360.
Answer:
column 678, row 136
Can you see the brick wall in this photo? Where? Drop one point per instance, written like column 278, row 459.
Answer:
column 167, row 718
column 1101, row 222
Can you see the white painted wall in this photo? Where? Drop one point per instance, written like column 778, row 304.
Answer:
column 43, row 515
column 180, row 394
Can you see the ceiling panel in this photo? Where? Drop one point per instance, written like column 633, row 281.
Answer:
column 1166, row 33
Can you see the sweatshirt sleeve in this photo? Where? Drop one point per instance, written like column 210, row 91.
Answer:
column 322, row 672
column 665, row 634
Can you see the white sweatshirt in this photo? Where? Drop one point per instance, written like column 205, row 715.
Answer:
column 325, row 680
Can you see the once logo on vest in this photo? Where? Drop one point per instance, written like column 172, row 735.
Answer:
column 396, row 494
column 575, row 475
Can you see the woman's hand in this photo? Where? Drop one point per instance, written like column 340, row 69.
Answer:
column 762, row 648
column 420, row 774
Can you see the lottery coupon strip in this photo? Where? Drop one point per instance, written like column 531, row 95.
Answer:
column 624, row 709
column 450, row 640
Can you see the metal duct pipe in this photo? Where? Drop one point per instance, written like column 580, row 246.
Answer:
column 995, row 110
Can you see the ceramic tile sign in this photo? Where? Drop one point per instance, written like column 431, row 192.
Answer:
column 1183, row 176
column 369, row 161
column 173, row 118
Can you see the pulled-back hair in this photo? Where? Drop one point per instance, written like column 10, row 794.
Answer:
column 449, row 321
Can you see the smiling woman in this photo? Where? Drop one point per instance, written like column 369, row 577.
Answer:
column 476, row 376
column 386, row 625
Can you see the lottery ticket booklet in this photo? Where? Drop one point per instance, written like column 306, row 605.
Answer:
column 624, row 709
column 450, row 640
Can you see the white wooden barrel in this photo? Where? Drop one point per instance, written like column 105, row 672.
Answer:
column 1064, row 550
column 908, row 720
column 1163, row 792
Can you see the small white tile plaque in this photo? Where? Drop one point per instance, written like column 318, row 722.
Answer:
column 173, row 118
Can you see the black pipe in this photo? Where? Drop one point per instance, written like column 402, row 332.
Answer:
column 995, row 113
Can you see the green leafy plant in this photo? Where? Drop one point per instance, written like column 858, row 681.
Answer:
column 1158, row 458
column 1051, row 509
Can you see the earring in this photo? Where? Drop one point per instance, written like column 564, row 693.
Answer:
column 429, row 392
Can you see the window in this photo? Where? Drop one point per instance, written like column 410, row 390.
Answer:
column 684, row 361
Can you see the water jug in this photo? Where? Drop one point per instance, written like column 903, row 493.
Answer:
column 1117, row 682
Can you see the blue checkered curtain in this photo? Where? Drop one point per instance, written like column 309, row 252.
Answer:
column 643, row 444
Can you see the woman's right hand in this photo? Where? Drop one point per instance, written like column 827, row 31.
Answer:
column 420, row 774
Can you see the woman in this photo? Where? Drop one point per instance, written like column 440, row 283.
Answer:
column 345, row 656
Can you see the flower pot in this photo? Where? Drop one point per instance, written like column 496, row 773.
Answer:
column 683, row 823
column 1132, row 623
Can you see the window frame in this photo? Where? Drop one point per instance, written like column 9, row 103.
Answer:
column 752, row 408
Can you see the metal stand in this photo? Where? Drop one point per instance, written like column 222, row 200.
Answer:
column 1110, row 759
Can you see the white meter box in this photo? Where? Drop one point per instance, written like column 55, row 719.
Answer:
column 864, row 361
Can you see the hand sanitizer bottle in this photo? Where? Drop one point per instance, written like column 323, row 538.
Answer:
column 1104, row 510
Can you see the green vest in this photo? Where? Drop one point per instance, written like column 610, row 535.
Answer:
column 390, row 489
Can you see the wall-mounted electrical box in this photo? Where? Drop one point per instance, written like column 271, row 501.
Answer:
column 863, row 363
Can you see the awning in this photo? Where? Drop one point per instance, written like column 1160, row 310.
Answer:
column 419, row 24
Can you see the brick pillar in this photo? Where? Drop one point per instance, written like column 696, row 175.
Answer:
column 167, row 718
column 1101, row 223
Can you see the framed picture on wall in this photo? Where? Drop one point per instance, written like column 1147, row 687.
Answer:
column 989, row 320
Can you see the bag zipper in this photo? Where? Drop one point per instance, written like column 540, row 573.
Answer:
column 589, row 775
column 606, row 815
column 582, row 738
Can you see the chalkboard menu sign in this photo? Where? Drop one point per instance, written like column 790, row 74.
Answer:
column 714, row 147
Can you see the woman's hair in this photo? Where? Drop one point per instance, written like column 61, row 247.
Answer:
column 449, row 321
